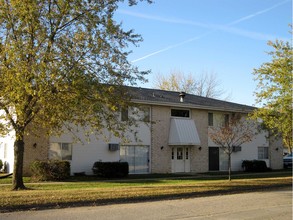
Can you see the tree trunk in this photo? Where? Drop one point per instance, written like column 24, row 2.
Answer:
column 17, row 181
column 229, row 166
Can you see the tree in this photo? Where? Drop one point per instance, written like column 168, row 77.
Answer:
column 232, row 134
column 62, row 63
column 206, row 84
column 274, row 92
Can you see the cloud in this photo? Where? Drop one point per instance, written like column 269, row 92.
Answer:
column 211, row 27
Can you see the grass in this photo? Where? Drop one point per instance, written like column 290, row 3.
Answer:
column 90, row 191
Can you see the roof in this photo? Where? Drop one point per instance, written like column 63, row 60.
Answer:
column 171, row 98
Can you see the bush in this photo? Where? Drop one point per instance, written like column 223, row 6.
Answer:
column 1, row 164
column 50, row 170
column 111, row 169
column 254, row 166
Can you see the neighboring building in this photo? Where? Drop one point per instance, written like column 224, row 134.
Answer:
column 171, row 136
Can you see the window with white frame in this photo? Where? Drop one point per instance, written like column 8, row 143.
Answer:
column 263, row 153
column 60, row 151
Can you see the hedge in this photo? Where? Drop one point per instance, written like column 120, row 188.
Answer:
column 111, row 169
column 254, row 166
column 50, row 170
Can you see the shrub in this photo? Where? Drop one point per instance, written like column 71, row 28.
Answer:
column 254, row 166
column 111, row 169
column 50, row 170
column 1, row 164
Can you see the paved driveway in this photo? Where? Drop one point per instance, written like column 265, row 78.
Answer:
column 275, row 204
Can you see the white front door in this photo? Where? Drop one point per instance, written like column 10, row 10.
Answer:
column 180, row 159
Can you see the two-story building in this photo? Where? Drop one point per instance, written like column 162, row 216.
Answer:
column 170, row 136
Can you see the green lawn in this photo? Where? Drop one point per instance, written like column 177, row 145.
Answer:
column 93, row 191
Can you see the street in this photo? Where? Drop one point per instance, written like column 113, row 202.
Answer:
column 275, row 204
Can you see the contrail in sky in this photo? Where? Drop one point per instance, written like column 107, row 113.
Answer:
column 171, row 47
column 213, row 28
column 258, row 13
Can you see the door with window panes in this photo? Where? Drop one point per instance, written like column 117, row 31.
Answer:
column 180, row 159
column 137, row 158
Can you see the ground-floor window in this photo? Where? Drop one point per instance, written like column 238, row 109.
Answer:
column 223, row 160
column 60, row 151
column 263, row 153
column 137, row 157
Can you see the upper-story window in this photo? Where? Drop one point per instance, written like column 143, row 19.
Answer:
column 141, row 113
column 219, row 119
column 226, row 119
column 211, row 119
column 180, row 113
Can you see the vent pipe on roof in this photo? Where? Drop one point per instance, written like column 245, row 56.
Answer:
column 181, row 96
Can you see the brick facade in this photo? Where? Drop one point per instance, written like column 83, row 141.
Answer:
column 160, row 151
column 276, row 158
column 199, row 154
column 36, row 148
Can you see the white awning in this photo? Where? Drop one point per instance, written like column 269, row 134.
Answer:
column 183, row 132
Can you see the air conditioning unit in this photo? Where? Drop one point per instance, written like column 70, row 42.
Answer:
column 236, row 148
column 114, row 147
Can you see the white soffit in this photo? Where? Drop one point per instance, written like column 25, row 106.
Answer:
column 183, row 132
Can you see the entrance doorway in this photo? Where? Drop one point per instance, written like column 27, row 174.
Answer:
column 180, row 159
column 213, row 158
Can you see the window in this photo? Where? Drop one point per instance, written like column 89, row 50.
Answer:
column 226, row 119
column 263, row 153
column 60, row 151
column 124, row 114
column 180, row 153
column 144, row 114
column 137, row 158
column 172, row 156
column 141, row 113
column 180, row 113
column 211, row 119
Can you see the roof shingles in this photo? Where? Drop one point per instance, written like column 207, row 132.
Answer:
column 171, row 98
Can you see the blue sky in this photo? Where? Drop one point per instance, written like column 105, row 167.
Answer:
column 225, row 37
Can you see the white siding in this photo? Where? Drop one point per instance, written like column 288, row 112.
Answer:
column 85, row 153
column 7, row 144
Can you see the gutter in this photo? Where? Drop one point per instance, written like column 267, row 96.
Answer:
column 191, row 106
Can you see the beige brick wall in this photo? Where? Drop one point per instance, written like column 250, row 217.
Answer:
column 160, row 158
column 35, row 148
column 199, row 158
column 276, row 153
